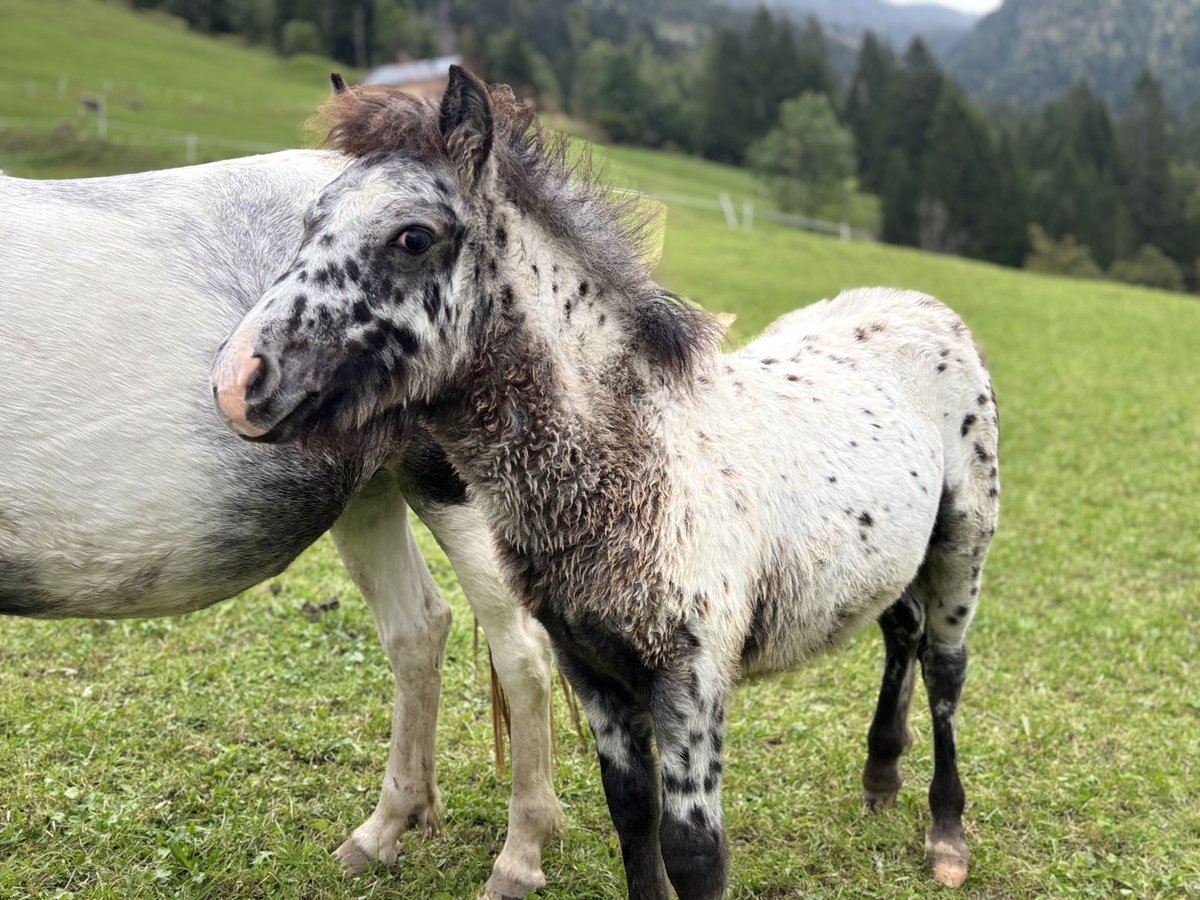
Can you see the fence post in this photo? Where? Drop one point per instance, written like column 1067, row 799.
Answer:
column 727, row 207
column 747, row 215
column 844, row 231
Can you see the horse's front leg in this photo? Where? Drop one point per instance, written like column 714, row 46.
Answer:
column 378, row 548
column 623, row 730
column 688, row 706
column 521, row 654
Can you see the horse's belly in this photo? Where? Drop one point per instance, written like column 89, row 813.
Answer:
column 187, row 517
column 820, row 589
column 146, row 572
column 786, row 630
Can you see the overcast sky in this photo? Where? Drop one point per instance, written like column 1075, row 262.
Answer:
column 971, row 6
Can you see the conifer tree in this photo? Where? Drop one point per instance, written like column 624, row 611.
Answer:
column 772, row 70
column 866, row 110
column 899, row 200
column 911, row 108
column 728, row 124
column 1144, row 143
column 1006, row 227
column 960, row 180
column 909, row 114
column 1072, row 153
column 812, row 71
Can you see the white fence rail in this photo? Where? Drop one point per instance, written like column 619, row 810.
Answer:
column 147, row 135
column 723, row 203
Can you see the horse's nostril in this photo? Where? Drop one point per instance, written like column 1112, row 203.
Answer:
column 262, row 380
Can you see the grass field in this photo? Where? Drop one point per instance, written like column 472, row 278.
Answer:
column 227, row 752
column 161, row 83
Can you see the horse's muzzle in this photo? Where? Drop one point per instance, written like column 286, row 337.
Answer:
column 244, row 382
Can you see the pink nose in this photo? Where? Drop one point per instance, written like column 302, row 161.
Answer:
column 233, row 373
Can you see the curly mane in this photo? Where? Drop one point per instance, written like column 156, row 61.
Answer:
column 362, row 119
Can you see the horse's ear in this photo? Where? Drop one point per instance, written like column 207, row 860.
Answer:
column 337, row 82
column 465, row 120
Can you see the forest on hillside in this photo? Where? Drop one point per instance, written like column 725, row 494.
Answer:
column 1067, row 187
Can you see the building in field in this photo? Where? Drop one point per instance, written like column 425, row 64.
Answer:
column 423, row 77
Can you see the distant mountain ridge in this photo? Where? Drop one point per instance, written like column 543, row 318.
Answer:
column 1028, row 51
column 939, row 25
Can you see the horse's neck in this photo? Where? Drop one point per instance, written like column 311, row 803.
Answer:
column 553, row 446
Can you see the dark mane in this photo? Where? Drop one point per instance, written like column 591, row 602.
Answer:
column 549, row 178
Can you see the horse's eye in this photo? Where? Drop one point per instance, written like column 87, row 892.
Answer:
column 415, row 239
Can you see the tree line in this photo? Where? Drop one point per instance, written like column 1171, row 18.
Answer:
column 1069, row 188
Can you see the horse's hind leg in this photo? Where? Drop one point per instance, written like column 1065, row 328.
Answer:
column 902, row 624
column 945, row 670
column 381, row 555
column 949, row 584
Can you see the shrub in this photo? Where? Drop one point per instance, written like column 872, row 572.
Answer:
column 1064, row 256
column 1148, row 266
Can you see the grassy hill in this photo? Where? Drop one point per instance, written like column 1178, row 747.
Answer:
column 226, row 752
column 161, row 83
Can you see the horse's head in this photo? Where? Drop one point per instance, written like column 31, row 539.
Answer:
column 454, row 221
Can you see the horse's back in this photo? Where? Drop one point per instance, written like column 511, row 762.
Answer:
column 840, row 428
column 121, row 493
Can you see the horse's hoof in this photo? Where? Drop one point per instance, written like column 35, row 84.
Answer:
column 951, row 874
column 880, row 784
column 947, row 857
column 356, row 859
column 874, row 801
column 491, row 892
column 510, row 885
column 488, row 893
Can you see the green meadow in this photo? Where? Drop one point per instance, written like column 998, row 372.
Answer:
column 226, row 753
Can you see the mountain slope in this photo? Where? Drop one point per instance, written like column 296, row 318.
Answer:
column 1030, row 50
column 899, row 24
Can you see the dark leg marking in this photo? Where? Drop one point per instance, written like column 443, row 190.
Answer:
column 902, row 624
column 623, row 729
column 694, row 848
column 944, row 670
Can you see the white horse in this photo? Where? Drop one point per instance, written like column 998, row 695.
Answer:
column 121, row 494
column 674, row 517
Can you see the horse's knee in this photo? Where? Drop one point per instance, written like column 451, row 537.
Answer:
column 415, row 644
column 944, row 669
column 522, row 661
